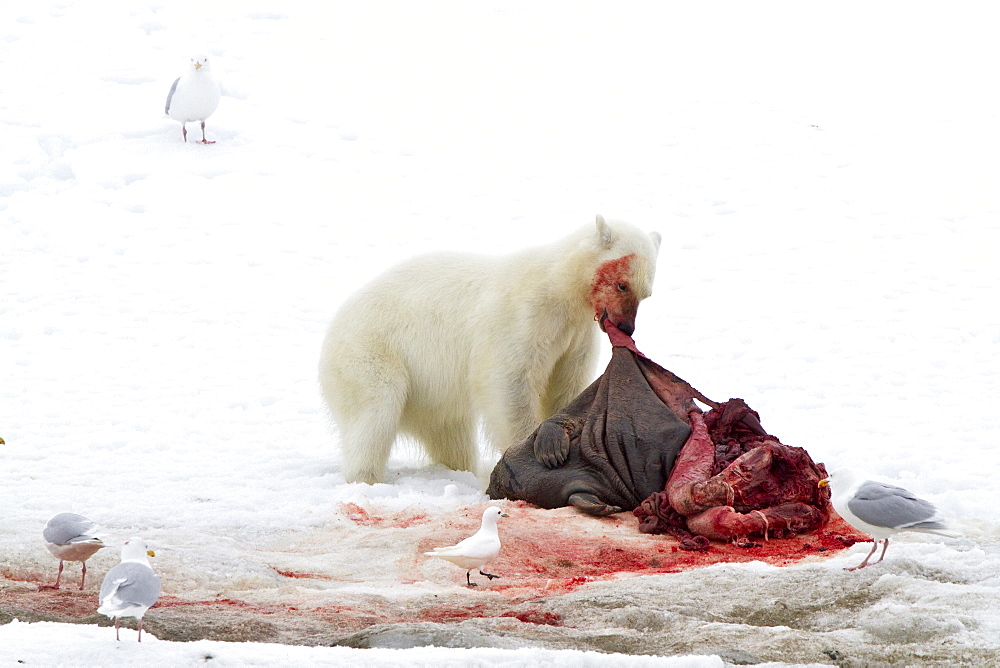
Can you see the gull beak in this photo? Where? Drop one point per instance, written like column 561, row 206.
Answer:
column 151, row 553
column 197, row 65
column 825, row 482
column 504, row 515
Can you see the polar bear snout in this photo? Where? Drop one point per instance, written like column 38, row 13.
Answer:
column 627, row 326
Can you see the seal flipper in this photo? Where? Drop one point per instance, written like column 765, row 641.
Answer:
column 551, row 444
column 590, row 504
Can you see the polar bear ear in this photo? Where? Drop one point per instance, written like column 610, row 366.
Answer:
column 605, row 234
column 655, row 236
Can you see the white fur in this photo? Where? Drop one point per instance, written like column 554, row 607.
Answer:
column 442, row 340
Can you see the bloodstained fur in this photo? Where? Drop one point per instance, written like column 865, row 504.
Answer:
column 605, row 292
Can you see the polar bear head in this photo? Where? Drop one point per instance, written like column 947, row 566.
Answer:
column 625, row 264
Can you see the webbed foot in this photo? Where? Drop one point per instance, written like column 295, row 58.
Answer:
column 590, row 504
column 551, row 444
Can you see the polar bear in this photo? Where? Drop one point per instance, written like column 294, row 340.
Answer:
column 442, row 341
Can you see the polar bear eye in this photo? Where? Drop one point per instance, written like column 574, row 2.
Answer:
column 623, row 287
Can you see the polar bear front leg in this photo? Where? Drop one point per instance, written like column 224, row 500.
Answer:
column 571, row 375
column 449, row 440
column 513, row 411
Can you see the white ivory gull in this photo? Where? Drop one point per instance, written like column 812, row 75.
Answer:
column 881, row 510
column 194, row 96
column 71, row 537
column 130, row 588
column 478, row 549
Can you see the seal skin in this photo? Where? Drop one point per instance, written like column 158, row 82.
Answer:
column 635, row 440
column 611, row 447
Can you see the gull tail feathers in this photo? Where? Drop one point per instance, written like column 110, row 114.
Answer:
column 937, row 527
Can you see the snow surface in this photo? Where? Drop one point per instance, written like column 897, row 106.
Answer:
column 824, row 175
column 47, row 643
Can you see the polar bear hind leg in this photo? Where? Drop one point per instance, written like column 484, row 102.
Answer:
column 368, row 419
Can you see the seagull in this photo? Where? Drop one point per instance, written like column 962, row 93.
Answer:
column 881, row 510
column 71, row 537
column 194, row 96
column 130, row 588
column 478, row 549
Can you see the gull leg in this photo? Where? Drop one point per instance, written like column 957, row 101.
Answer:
column 117, row 622
column 83, row 578
column 489, row 575
column 885, row 546
column 58, row 576
column 184, row 131
column 203, row 140
column 865, row 562
column 469, row 580
column 140, row 629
